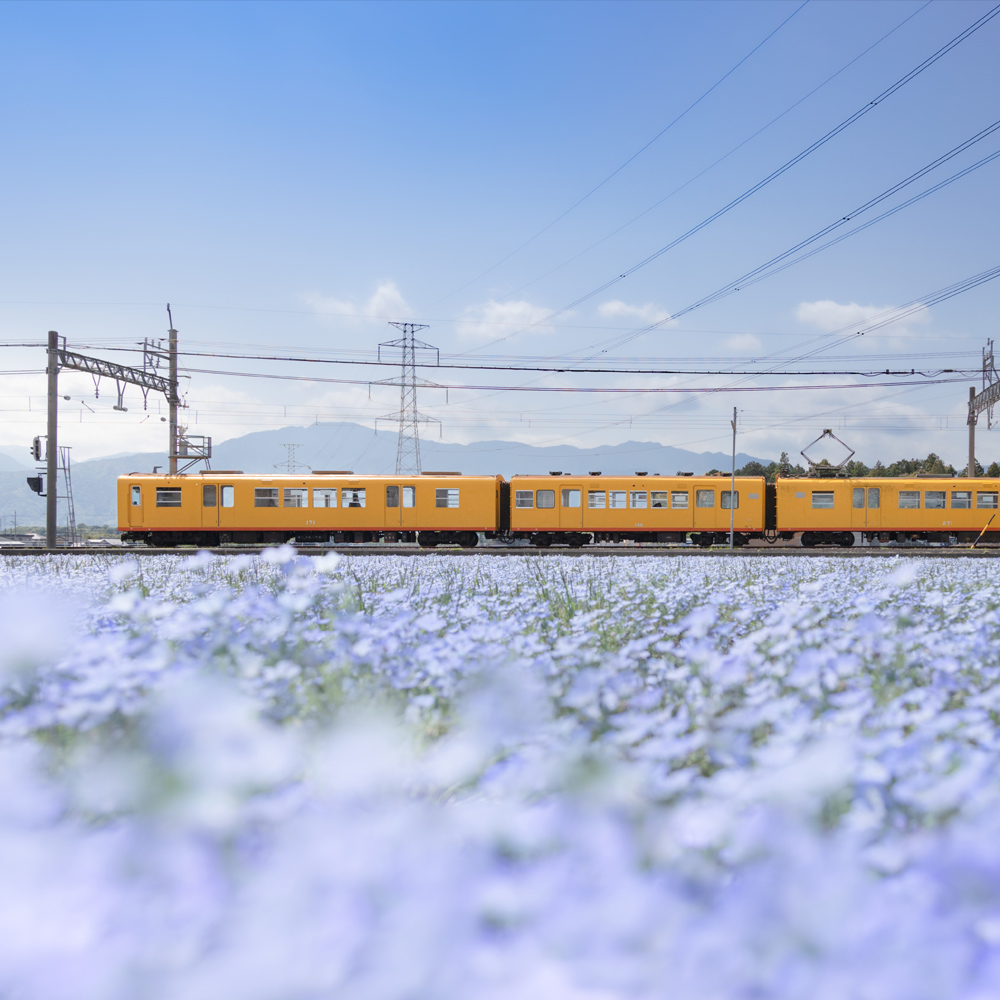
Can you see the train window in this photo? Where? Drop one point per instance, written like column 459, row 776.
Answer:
column 545, row 499
column 961, row 499
column 352, row 496
column 704, row 498
column 637, row 499
column 986, row 500
column 296, row 497
column 858, row 498
column 725, row 499
column 326, row 497
column 659, row 498
column 409, row 496
column 909, row 499
column 446, row 497
column 571, row 498
column 679, row 499
column 392, row 496
column 597, row 499
column 525, row 498
column 228, row 496
column 167, row 497
column 822, row 499
column 616, row 499
column 264, row 496
column 934, row 499
column 874, row 497
column 209, row 496
column 136, row 496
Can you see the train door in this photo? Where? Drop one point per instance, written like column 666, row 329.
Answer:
column 225, row 510
column 135, row 506
column 570, row 508
column 873, row 509
column 401, row 507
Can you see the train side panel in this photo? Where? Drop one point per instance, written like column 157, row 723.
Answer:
column 935, row 508
column 633, row 506
column 228, row 506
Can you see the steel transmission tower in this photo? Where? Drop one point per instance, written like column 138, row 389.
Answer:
column 409, row 417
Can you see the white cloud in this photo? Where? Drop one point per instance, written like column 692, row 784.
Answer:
column 492, row 319
column 830, row 316
column 385, row 303
column 742, row 342
column 648, row 313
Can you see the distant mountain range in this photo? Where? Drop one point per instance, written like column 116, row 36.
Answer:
column 347, row 446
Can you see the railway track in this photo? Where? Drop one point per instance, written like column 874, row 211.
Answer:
column 637, row 551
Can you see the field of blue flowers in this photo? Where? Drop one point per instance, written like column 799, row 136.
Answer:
column 384, row 778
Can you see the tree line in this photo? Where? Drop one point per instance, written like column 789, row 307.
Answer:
column 931, row 465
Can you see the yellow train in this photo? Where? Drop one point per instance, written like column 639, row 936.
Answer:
column 441, row 508
column 926, row 508
column 435, row 508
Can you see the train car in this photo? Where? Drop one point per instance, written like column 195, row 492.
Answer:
column 828, row 511
column 574, row 510
column 217, row 507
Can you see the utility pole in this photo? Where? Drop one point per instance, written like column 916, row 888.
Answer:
column 973, row 417
column 732, row 487
column 409, row 417
column 52, row 443
column 172, row 399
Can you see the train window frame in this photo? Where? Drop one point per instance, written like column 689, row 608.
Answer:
column 638, row 499
column 524, row 499
column 820, row 497
column 617, row 499
column 659, row 499
column 353, row 497
column 295, row 496
column 961, row 499
column 136, row 496
column 326, row 493
column 167, row 495
column 874, row 497
column 675, row 500
column 983, row 498
column 858, row 498
column 392, row 496
column 545, row 499
column 209, row 495
column 570, row 495
column 704, row 499
column 445, row 495
column 597, row 499
column 935, row 499
column 228, row 496
column 266, row 496
column 724, row 499
column 909, row 496
column 409, row 497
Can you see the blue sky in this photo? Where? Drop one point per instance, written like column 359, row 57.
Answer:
column 292, row 175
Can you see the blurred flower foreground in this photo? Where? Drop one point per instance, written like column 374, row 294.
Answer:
column 289, row 778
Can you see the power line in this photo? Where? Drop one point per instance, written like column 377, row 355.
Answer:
column 722, row 158
column 775, row 174
column 772, row 267
column 622, row 166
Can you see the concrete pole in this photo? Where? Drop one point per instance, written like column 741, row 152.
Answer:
column 732, row 486
column 972, row 434
column 172, row 351
column 52, row 442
